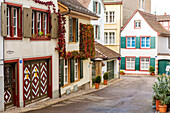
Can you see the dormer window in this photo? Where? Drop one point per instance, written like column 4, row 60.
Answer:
column 137, row 24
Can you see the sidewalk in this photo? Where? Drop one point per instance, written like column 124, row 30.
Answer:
column 47, row 102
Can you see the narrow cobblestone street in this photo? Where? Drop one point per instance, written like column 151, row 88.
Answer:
column 133, row 95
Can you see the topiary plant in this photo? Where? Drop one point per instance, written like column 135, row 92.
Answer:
column 98, row 79
column 151, row 69
column 106, row 76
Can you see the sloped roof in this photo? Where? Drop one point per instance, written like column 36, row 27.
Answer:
column 104, row 52
column 152, row 21
column 75, row 5
column 163, row 17
column 85, row 3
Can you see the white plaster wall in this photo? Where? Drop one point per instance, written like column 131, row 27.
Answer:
column 145, row 30
column 163, row 45
column 100, row 21
column 86, row 77
column 31, row 3
column 26, row 48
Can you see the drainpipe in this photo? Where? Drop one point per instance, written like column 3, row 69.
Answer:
column 59, row 61
column 120, row 38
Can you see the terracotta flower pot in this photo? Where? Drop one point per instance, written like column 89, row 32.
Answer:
column 96, row 85
column 163, row 108
column 153, row 74
column 157, row 105
column 105, row 82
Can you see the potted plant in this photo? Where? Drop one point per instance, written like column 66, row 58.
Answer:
column 161, row 91
column 105, row 77
column 97, row 81
column 122, row 72
column 152, row 70
column 156, row 96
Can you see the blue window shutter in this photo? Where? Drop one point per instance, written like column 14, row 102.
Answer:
column 137, row 63
column 152, row 62
column 137, row 42
column 123, row 60
column 99, row 8
column 123, row 42
column 98, row 31
column 71, row 70
column 94, row 6
column 62, row 72
column 152, row 43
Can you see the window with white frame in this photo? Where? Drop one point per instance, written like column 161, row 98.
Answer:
column 131, row 42
column 106, row 37
column 97, row 31
column 39, row 22
column 8, row 25
column 15, row 21
column 112, row 37
column 109, row 38
column 45, row 24
column 76, row 69
column 130, row 63
column 96, row 7
column 109, row 16
column 137, row 24
column 145, row 42
column 144, row 63
column 33, row 24
column 142, row 4
column 65, row 71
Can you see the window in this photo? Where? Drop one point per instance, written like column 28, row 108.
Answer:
column 144, row 64
column 137, row 24
column 14, row 21
column 65, row 71
column 73, row 29
column 141, row 4
column 39, row 24
column 109, row 37
column 130, row 63
column 96, row 7
column 145, row 42
column 168, row 42
column 97, row 31
column 131, row 42
column 105, row 37
column 110, row 16
column 76, row 69
column 112, row 37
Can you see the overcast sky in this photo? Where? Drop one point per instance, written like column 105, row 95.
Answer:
column 161, row 6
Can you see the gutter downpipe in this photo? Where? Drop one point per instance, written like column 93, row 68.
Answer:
column 59, row 61
column 120, row 37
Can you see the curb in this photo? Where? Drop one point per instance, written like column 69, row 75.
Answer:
column 55, row 101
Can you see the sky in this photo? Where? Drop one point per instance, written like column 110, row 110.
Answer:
column 161, row 6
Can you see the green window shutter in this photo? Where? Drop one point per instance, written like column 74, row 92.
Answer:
column 77, row 29
column 152, row 62
column 99, row 32
column 152, row 43
column 94, row 6
column 70, row 29
column 81, row 69
column 123, row 63
column 72, row 70
column 137, row 42
column 123, row 42
column 62, row 72
column 99, row 8
column 137, row 64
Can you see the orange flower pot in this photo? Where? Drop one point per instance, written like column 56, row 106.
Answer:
column 105, row 82
column 157, row 105
column 96, row 85
column 163, row 108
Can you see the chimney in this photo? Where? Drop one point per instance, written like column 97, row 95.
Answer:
column 165, row 13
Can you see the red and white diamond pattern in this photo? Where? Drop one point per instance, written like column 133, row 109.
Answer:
column 7, row 96
column 35, row 81
column 43, row 78
column 27, row 84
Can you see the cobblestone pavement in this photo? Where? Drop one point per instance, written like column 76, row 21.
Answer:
column 132, row 95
